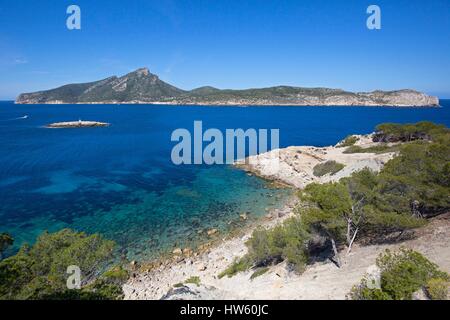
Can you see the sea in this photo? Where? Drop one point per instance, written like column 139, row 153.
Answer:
column 120, row 181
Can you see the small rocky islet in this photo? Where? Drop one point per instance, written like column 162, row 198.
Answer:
column 77, row 124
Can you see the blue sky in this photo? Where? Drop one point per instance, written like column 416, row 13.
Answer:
column 228, row 44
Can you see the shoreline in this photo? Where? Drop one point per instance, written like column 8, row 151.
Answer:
column 166, row 279
column 322, row 280
column 229, row 104
column 295, row 166
column 152, row 280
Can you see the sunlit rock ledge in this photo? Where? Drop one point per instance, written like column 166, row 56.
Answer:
column 295, row 165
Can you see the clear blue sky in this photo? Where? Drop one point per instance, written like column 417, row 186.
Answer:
column 228, row 43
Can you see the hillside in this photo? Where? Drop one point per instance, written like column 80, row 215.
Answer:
column 141, row 86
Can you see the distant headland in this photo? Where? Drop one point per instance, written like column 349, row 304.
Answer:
column 143, row 87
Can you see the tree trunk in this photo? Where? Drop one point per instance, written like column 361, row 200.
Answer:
column 336, row 253
column 352, row 240
column 349, row 229
column 415, row 209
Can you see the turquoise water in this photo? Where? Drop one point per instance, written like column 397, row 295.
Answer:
column 120, row 181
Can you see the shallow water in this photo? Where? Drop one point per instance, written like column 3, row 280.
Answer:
column 120, row 180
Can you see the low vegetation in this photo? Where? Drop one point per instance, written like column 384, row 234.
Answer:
column 194, row 280
column 268, row 247
column 438, row 288
column 239, row 265
column 366, row 207
column 403, row 273
column 394, row 132
column 259, row 272
column 378, row 149
column 348, row 141
column 6, row 240
column 329, row 167
column 40, row 271
column 284, row 242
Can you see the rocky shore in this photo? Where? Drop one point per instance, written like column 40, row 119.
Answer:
column 155, row 281
column 166, row 279
column 189, row 274
column 294, row 166
column 321, row 281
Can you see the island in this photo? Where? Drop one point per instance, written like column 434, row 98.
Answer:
column 77, row 124
column 143, row 87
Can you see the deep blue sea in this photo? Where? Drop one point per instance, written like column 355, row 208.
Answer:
column 119, row 180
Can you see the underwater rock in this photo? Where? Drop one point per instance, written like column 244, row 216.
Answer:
column 212, row 232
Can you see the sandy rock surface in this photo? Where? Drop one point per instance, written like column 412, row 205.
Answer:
column 295, row 165
column 322, row 280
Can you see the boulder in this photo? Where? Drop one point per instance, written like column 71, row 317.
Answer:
column 373, row 277
column 212, row 232
column 201, row 267
column 177, row 251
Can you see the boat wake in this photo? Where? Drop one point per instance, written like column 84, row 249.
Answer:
column 19, row 118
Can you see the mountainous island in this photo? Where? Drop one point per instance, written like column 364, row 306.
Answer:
column 143, row 87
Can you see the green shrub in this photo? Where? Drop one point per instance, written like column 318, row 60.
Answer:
column 409, row 132
column 102, row 289
column 402, row 273
column 116, row 274
column 284, row 242
column 348, row 141
column 330, row 167
column 419, row 174
column 39, row 271
column 6, row 240
column 354, row 149
column 331, row 204
column 379, row 223
column 239, row 265
column 260, row 247
column 287, row 241
column 363, row 292
column 378, row 149
column 194, row 279
column 437, row 289
column 259, row 272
